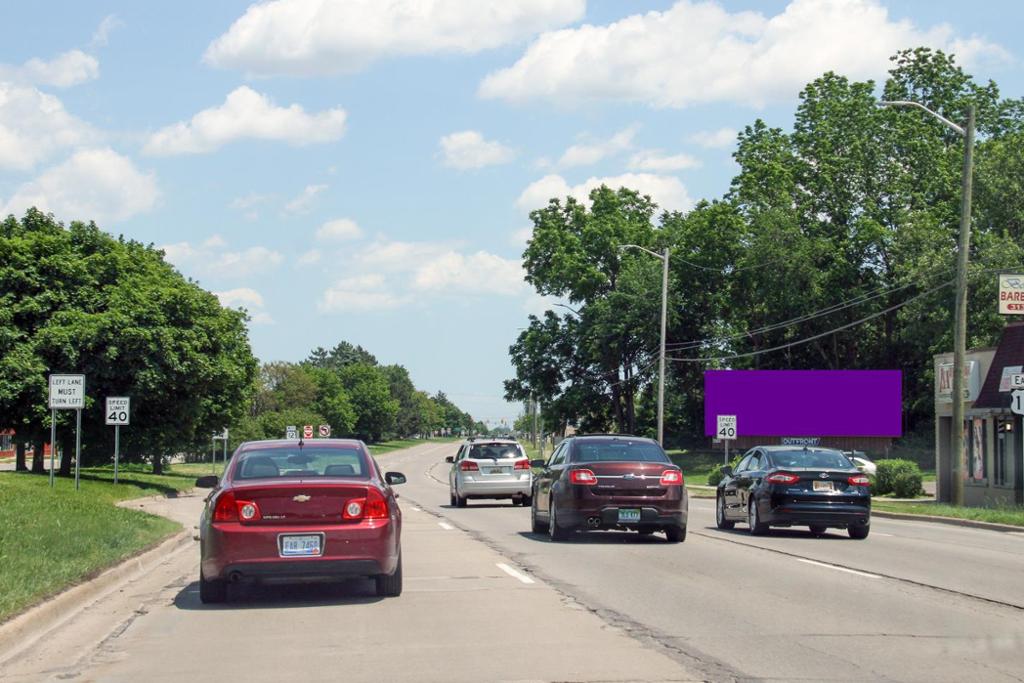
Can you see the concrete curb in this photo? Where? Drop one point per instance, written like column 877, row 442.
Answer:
column 954, row 521
column 27, row 628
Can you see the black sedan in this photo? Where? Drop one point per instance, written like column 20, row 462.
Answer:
column 785, row 486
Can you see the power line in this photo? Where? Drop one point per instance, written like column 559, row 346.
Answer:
column 817, row 336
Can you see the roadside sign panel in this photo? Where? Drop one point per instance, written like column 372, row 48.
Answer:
column 1017, row 381
column 307, row 431
column 67, row 392
column 118, row 410
column 291, row 432
column 1011, row 294
column 325, row 431
column 1017, row 402
column 726, row 427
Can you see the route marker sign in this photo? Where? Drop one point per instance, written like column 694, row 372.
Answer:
column 67, row 392
column 726, row 427
column 325, row 431
column 1017, row 381
column 307, row 431
column 118, row 410
column 1017, row 401
column 291, row 432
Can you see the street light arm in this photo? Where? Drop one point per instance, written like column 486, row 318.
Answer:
column 918, row 105
column 637, row 246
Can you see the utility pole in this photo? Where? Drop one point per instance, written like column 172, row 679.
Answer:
column 956, row 445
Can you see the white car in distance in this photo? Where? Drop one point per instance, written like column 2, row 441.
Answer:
column 490, row 468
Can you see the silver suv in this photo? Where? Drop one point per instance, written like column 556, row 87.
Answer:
column 490, row 468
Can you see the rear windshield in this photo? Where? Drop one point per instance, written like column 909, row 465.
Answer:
column 495, row 451
column 630, row 451
column 827, row 459
column 268, row 463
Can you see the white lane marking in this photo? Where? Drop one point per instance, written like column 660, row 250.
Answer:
column 446, row 526
column 879, row 533
column 839, row 569
column 415, row 509
column 514, row 573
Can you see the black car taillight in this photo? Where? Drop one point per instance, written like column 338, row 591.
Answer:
column 782, row 478
column 584, row 477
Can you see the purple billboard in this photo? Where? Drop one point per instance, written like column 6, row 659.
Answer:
column 806, row 402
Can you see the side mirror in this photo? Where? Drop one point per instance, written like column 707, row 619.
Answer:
column 450, row 458
column 394, row 478
column 538, row 463
column 726, row 470
column 208, row 482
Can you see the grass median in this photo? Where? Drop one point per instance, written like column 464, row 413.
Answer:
column 53, row 539
column 1013, row 515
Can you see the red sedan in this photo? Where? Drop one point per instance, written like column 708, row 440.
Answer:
column 294, row 510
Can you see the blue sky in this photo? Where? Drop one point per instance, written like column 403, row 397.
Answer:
column 364, row 169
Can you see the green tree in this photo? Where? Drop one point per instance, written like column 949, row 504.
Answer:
column 370, row 394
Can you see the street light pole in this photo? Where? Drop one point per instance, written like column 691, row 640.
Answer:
column 960, row 310
column 664, row 313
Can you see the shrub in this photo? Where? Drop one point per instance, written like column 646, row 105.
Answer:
column 715, row 476
column 902, row 477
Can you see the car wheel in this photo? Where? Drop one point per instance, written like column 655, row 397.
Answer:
column 451, row 499
column 526, row 500
column 817, row 529
column 537, row 527
column 460, row 502
column 859, row 531
column 390, row 585
column 720, row 519
column 555, row 531
column 212, row 591
column 757, row 528
column 675, row 534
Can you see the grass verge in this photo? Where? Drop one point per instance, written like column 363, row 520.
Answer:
column 999, row 515
column 53, row 539
column 696, row 465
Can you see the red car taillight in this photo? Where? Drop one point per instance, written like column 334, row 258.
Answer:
column 231, row 509
column 859, row 480
column 521, row 465
column 374, row 506
column 469, row 466
column 585, row 477
column 782, row 478
column 671, row 478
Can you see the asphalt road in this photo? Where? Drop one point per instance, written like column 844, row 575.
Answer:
column 913, row 602
column 487, row 600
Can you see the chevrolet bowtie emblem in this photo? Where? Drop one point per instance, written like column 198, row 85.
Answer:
column 301, row 498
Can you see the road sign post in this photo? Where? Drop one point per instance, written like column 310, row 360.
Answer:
column 67, row 392
column 117, row 414
column 726, row 431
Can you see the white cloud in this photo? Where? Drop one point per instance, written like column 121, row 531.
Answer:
column 478, row 273
column 520, row 237
column 698, row 52
column 102, row 34
column 34, row 126
column 304, row 201
column 656, row 160
column 63, row 71
column 589, row 154
column 212, row 258
column 94, row 184
column 249, row 299
column 310, row 257
column 468, row 149
column 715, row 139
column 316, row 37
column 339, row 230
column 666, row 191
column 248, row 204
column 246, row 114
column 360, row 293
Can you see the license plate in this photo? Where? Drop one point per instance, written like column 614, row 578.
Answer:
column 629, row 515
column 300, row 546
column 823, row 486
column 498, row 470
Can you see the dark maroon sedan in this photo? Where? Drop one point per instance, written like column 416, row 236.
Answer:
column 609, row 482
column 293, row 511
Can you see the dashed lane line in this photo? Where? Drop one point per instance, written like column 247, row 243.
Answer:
column 446, row 526
column 515, row 573
column 839, row 569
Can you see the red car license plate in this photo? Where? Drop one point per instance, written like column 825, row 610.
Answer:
column 301, row 546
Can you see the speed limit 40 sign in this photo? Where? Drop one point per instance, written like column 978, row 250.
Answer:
column 118, row 410
column 726, row 427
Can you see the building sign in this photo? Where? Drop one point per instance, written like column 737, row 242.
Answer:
column 944, row 381
column 1006, row 380
column 801, row 441
column 1011, row 294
